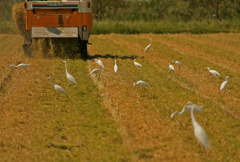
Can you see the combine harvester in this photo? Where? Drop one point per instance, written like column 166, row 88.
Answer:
column 64, row 19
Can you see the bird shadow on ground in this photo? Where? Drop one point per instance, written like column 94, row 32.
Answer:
column 91, row 57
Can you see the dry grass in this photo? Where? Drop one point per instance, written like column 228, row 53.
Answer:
column 18, row 14
column 37, row 126
column 144, row 116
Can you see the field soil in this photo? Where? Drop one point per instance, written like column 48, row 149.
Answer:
column 106, row 118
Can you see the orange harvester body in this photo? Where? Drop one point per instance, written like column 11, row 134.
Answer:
column 70, row 19
column 58, row 18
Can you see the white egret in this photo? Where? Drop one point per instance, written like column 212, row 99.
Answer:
column 70, row 78
column 149, row 46
column 95, row 71
column 99, row 62
column 141, row 83
column 178, row 63
column 21, row 65
column 199, row 132
column 187, row 108
column 213, row 72
column 171, row 67
column 224, row 84
column 137, row 64
column 115, row 66
column 58, row 88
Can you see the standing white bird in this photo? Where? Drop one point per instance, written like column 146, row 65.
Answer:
column 187, row 108
column 214, row 72
column 141, row 83
column 199, row 132
column 21, row 65
column 224, row 84
column 137, row 64
column 115, row 67
column 171, row 67
column 99, row 62
column 95, row 71
column 70, row 78
column 149, row 46
column 178, row 63
column 58, row 88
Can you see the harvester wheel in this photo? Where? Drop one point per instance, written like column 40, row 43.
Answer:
column 27, row 48
column 83, row 49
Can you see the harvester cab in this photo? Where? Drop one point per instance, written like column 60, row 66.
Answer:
column 59, row 19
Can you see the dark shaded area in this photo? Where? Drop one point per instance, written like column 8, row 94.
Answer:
column 111, row 56
column 54, row 30
column 62, row 146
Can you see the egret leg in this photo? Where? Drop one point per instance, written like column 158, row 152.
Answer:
column 174, row 77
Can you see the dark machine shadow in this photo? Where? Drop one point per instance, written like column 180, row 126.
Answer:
column 91, row 57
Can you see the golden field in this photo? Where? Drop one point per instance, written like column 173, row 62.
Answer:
column 106, row 118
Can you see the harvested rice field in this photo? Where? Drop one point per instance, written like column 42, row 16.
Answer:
column 106, row 118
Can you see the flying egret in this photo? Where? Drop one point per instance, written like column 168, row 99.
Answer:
column 149, row 46
column 199, row 132
column 115, row 66
column 137, row 64
column 187, row 108
column 178, row 63
column 70, row 78
column 141, row 83
column 171, row 67
column 214, row 72
column 95, row 71
column 99, row 62
column 21, row 65
column 224, row 84
column 58, row 88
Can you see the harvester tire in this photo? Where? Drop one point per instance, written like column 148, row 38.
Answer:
column 83, row 49
column 27, row 49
